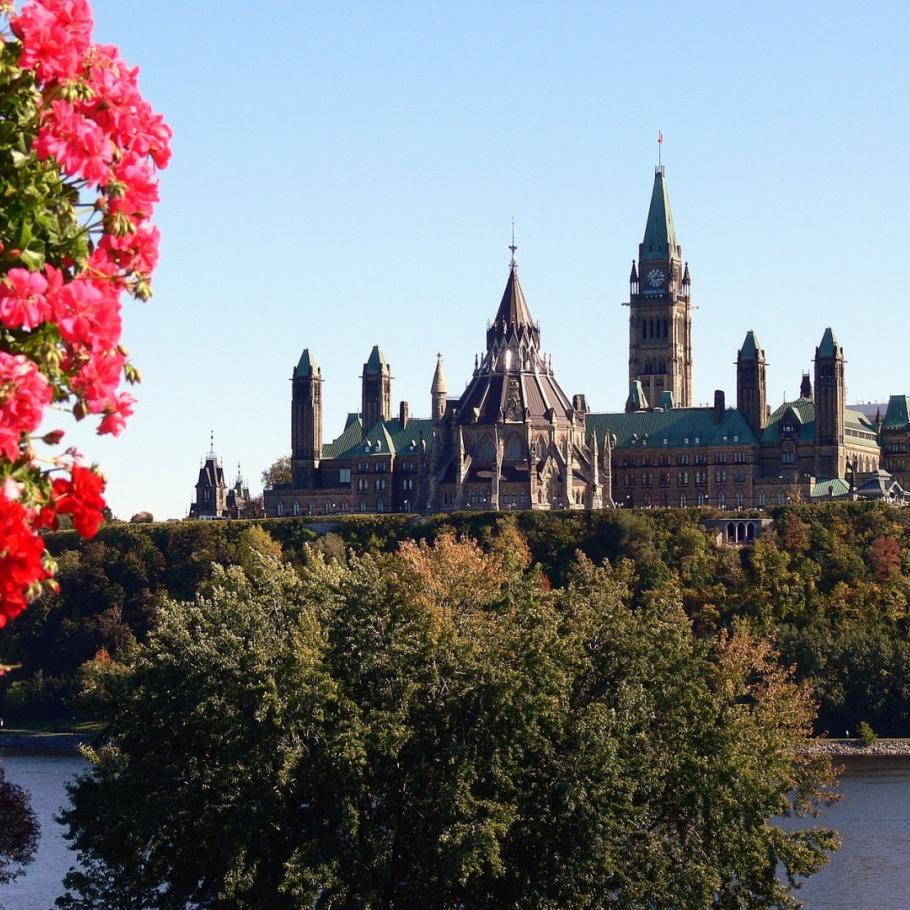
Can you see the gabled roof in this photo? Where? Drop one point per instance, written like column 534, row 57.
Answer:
column 350, row 435
column 803, row 415
column 660, row 234
column 388, row 437
column 676, row 426
column 898, row 414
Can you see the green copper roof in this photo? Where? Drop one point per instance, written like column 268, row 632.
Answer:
column 829, row 345
column 307, row 365
column 750, row 348
column 376, row 363
column 676, row 426
column 660, row 234
column 898, row 414
column 858, row 428
column 388, row 437
column 350, row 436
column 829, row 489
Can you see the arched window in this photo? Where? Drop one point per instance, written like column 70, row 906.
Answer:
column 380, row 506
column 721, row 500
column 514, row 449
column 486, row 451
column 739, row 499
column 295, row 508
column 682, row 501
column 280, row 509
column 363, row 505
column 762, row 499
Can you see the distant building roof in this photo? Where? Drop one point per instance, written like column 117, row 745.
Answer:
column 898, row 414
column 679, row 427
column 829, row 489
column 660, row 234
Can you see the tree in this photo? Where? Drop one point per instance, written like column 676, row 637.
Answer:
column 79, row 150
column 19, row 830
column 435, row 729
column 278, row 472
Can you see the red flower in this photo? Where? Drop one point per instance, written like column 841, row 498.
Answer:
column 55, row 36
column 81, row 497
column 21, row 567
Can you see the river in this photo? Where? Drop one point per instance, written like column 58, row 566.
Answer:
column 871, row 871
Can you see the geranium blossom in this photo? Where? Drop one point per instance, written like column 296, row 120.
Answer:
column 65, row 262
column 24, row 392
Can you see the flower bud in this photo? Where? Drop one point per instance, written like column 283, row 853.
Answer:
column 52, row 438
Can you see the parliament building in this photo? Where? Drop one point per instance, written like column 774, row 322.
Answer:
column 515, row 440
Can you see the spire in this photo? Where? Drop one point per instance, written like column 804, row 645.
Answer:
column 376, row 363
column 633, row 275
column 210, row 455
column 513, row 309
column 750, row 348
column 660, row 234
column 829, row 346
column 439, row 377
column 307, row 365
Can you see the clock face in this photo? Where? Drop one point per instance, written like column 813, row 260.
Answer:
column 655, row 278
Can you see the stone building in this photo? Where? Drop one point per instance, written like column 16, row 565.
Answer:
column 214, row 498
column 515, row 440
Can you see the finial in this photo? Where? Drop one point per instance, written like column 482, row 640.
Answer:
column 660, row 142
column 512, row 246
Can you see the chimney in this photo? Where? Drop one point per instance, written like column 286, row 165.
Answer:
column 580, row 404
column 403, row 414
column 719, row 405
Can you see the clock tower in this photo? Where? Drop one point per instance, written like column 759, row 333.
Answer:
column 660, row 311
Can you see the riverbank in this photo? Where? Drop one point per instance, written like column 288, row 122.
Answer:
column 854, row 748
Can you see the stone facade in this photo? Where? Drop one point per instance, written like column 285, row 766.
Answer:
column 514, row 440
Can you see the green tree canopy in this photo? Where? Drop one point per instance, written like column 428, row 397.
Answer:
column 435, row 729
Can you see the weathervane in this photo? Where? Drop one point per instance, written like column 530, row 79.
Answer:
column 660, row 142
column 512, row 246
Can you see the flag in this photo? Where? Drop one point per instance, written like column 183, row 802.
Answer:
column 660, row 138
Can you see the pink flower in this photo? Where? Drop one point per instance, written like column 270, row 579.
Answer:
column 24, row 393
column 55, row 36
column 76, row 142
column 115, row 415
column 22, row 301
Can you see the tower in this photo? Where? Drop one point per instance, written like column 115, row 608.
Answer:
column 660, row 317
column 438, row 392
column 751, row 388
column 830, row 397
column 306, row 419
column 376, row 389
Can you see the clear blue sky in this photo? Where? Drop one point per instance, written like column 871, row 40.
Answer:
column 345, row 174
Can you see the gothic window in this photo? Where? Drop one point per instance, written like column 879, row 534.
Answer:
column 363, row 505
column 721, row 500
column 296, row 507
column 486, row 451
column 280, row 509
column 701, row 499
column 739, row 499
column 787, row 456
column 206, row 495
column 761, row 499
column 514, row 448
column 682, row 501
column 380, row 506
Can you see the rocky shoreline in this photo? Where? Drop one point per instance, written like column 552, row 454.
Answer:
column 854, row 748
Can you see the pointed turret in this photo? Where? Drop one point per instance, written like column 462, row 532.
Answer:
column 376, row 362
column 513, row 340
column 438, row 391
column 307, row 365
column 376, row 389
column 829, row 346
column 660, row 234
column 751, row 383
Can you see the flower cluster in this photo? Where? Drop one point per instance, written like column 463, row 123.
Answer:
column 81, row 186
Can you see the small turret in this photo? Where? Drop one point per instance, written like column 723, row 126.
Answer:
column 376, row 389
column 805, row 387
column 751, row 384
column 438, row 391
